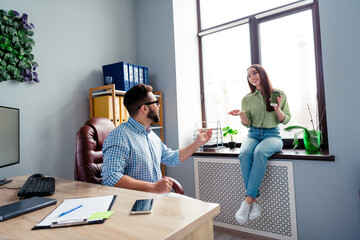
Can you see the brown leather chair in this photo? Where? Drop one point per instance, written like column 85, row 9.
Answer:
column 88, row 153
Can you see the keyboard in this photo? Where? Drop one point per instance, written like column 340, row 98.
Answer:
column 37, row 185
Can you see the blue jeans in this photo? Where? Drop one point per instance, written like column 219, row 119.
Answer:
column 255, row 151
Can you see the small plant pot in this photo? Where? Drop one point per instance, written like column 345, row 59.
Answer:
column 232, row 145
column 312, row 145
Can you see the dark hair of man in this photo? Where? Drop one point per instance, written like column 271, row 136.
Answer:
column 266, row 86
column 136, row 96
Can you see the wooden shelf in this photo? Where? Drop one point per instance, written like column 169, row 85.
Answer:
column 111, row 89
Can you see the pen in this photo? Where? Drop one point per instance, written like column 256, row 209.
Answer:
column 69, row 211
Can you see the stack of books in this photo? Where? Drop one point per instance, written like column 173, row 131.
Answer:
column 125, row 75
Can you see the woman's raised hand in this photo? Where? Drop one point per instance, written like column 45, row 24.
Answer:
column 243, row 117
column 235, row 112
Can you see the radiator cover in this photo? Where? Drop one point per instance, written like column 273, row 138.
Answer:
column 219, row 180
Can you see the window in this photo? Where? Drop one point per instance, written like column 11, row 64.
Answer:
column 283, row 36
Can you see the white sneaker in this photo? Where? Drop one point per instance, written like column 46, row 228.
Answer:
column 242, row 215
column 255, row 211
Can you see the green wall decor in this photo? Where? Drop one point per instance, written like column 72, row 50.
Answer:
column 16, row 43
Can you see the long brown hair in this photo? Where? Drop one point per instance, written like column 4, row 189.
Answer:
column 266, row 86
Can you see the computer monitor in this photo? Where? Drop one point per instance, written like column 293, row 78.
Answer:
column 9, row 136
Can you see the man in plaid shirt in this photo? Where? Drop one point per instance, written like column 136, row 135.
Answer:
column 133, row 152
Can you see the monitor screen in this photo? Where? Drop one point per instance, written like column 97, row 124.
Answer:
column 9, row 136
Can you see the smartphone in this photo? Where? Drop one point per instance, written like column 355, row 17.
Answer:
column 142, row 206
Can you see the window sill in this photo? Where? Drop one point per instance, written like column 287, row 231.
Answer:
column 284, row 154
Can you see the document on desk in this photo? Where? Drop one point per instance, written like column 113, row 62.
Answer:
column 78, row 211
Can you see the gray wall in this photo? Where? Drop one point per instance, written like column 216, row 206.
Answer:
column 155, row 45
column 70, row 54
column 327, row 194
column 73, row 39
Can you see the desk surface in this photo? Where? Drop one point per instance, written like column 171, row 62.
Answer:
column 172, row 217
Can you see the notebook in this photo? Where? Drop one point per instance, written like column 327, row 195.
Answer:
column 21, row 207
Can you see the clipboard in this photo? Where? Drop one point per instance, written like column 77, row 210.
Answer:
column 78, row 211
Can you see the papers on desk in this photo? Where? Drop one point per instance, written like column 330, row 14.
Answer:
column 78, row 211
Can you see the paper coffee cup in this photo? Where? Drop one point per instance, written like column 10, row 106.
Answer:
column 274, row 95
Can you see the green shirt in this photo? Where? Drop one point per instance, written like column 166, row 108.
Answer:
column 254, row 107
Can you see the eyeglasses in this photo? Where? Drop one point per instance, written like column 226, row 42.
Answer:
column 149, row 103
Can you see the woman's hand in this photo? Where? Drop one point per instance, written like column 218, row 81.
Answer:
column 243, row 117
column 280, row 115
column 279, row 103
column 235, row 112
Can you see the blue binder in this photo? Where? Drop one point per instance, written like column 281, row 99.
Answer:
column 119, row 73
column 141, row 74
column 146, row 75
column 136, row 75
column 131, row 75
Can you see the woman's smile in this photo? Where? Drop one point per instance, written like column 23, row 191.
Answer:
column 254, row 77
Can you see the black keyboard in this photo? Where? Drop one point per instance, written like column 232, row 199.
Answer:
column 37, row 185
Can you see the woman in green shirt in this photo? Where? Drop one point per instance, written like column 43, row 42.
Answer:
column 263, row 139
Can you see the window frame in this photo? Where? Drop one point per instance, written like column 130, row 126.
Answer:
column 254, row 20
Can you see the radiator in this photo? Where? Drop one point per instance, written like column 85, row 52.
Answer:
column 220, row 181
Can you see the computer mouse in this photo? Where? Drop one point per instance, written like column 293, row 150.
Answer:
column 37, row 175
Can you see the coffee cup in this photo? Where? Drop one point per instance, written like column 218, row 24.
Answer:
column 274, row 96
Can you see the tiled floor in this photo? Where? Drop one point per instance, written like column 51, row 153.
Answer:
column 229, row 234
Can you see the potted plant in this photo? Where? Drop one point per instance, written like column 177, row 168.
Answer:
column 228, row 131
column 312, row 138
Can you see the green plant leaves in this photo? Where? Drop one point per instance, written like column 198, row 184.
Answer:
column 17, row 61
column 296, row 135
column 227, row 130
column 295, row 127
column 312, row 138
column 315, row 138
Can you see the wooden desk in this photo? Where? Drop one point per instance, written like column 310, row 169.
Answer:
column 172, row 217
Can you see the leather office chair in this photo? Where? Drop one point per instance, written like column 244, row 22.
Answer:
column 88, row 153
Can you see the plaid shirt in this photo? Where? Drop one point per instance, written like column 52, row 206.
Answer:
column 135, row 150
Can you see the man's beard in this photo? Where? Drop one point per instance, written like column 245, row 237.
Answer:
column 153, row 116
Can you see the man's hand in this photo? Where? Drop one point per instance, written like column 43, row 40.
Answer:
column 203, row 137
column 164, row 185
